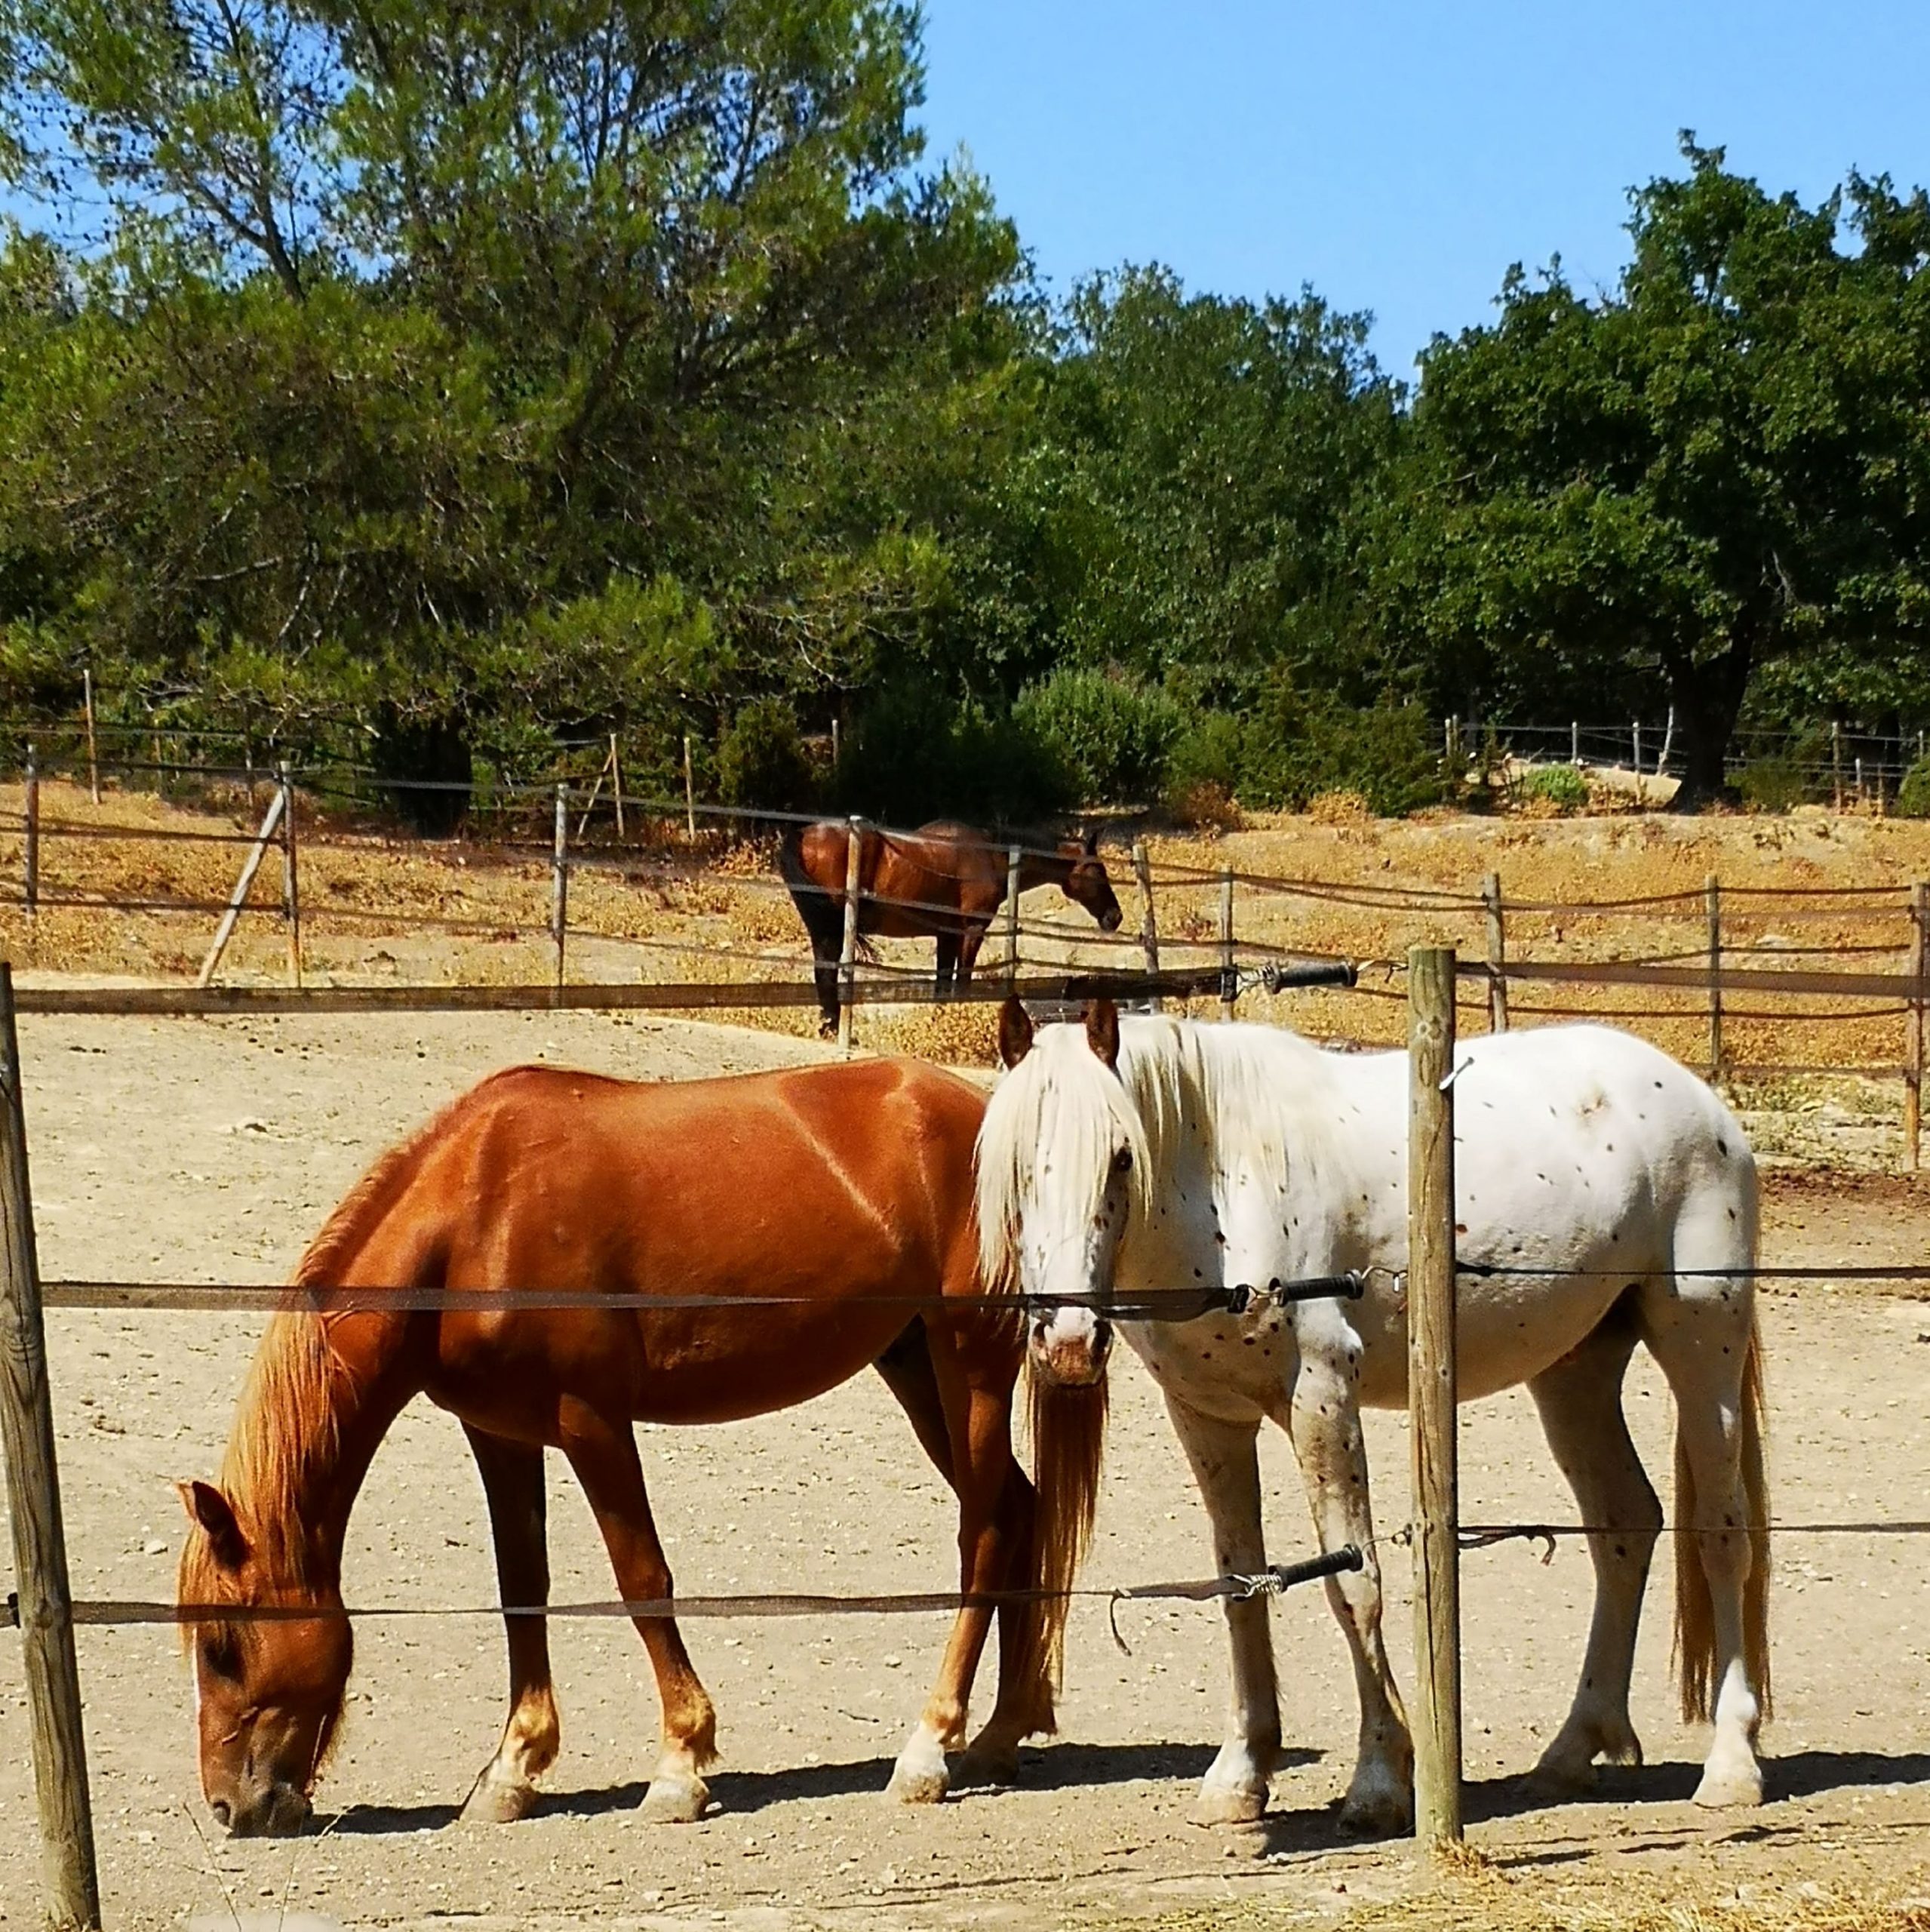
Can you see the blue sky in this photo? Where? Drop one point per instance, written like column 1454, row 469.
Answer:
column 1400, row 156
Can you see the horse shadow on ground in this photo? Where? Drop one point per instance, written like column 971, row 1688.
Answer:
column 1061, row 1767
column 742, row 1794
column 1803, row 1774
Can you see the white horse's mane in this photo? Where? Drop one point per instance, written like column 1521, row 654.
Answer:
column 1058, row 1118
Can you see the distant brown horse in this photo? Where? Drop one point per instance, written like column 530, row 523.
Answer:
column 810, row 1204
column 944, row 880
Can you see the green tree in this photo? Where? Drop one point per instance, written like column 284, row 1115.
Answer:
column 1723, row 465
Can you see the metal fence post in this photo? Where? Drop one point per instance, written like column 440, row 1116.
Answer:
column 1229, row 983
column 1712, row 900
column 1490, row 897
column 559, row 880
column 291, row 880
column 40, row 1549
column 1149, row 930
column 1014, row 861
column 1912, row 1089
column 1432, row 1393
column 30, row 859
column 847, row 961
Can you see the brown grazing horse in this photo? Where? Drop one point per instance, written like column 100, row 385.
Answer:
column 945, row 880
column 810, row 1204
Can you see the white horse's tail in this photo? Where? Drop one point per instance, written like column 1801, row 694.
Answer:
column 1694, row 1609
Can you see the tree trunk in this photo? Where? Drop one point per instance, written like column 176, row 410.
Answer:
column 1708, row 698
column 424, row 766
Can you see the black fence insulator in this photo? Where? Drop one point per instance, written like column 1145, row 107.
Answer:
column 1189, row 1304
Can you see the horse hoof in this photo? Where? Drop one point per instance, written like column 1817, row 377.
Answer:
column 1562, row 1779
column 918, row 1785
column 498, row 1801
column 1729, row 1787
column 1379, row 1814
column 1228, row 1804
column 976, row 1769
column 676, row 1800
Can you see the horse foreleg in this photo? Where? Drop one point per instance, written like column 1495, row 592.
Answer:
column 1225, row 1462
column 946, row 974
column 512, row 1482
column 980, row 1428
column 1025, row 1690
column 604, row 1454
column 969, row 941
column 1580, row 1401
column 1324, row 1419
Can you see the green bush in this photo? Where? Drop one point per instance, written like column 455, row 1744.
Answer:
column 1559, row 785
column 1913, row 794
column 1771, row 784
column 913, row 754
column 1297, row 748
column 1110, row 738
column 1212, row 752
column 761, row 760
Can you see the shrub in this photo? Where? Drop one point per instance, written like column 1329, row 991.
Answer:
column 1913, row 794
column 1210, row 753
column 1110, row 738
column 1771, row 784
column 1298, row 748
column 1560, row 785
column 914, row 753
column 761, row 760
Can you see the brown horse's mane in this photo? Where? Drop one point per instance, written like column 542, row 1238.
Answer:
column 288, row 1418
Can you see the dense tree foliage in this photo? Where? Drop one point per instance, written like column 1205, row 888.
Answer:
column 468, row 380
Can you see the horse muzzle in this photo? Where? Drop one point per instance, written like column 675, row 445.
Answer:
column 1070, row 1361
column 1111, row 920
column 274, row 1811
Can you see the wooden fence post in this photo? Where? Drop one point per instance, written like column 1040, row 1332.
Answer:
column 1229, row 984
column 225, row 930
column 1432, row 1393
column 1573, row 741
column 93, row 753
column 1712, row 900
column 1014, row 861
column 559, row 880
column 1913, row 1075
column 1490, row 897
column 617, row 782
column 1836, row 763
column 1149, row 930
column 689, row 790
column 847, row 959
column 40, row 1549
column 30, row 861
column 291, row 879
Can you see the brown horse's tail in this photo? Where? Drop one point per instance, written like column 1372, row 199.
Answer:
column 1068, row 1443
column 1694, row 1607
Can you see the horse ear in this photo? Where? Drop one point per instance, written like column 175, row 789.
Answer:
column 1090, row 843
column 1102, row 1031
column 212, row 1512
column 1014, row 1031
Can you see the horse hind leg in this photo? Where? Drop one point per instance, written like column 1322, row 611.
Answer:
column 1580, row 1402
column 512, row 1483
column 603, row 1455
column 1702, row 1335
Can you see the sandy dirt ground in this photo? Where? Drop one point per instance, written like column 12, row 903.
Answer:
column 212, row 1149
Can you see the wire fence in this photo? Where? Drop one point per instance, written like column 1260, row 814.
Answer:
column 1767, row 981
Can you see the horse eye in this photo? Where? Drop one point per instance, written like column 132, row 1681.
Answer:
column 221, row 1656
column 1122, row 1161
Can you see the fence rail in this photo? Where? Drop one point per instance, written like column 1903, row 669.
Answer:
column 1738, row 975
